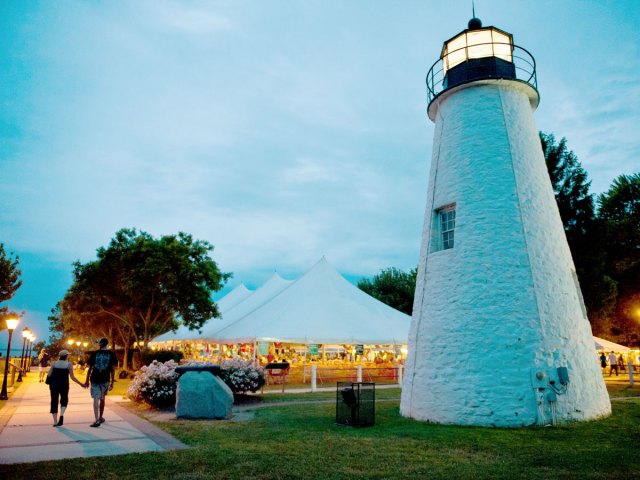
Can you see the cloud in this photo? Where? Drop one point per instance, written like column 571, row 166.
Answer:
column 188, row 18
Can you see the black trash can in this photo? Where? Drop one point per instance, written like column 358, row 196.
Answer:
column 355, row 404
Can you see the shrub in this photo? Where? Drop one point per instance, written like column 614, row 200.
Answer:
column 241, row 375
column 155, row 384
column 162, row 356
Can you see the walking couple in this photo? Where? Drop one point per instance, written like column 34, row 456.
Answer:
column 100, row 376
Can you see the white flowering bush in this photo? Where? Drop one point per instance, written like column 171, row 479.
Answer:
column 155, row 384
column 241, row 375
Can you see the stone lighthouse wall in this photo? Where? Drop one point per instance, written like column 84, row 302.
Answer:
column 497, row 314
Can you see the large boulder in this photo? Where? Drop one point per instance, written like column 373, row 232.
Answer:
column 200, row 394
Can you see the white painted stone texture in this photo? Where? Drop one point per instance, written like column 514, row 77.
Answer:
column 504, row 303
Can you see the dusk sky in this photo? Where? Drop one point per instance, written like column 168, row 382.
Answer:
column 279, row 131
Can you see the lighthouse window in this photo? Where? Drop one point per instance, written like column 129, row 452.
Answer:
column 445, row 224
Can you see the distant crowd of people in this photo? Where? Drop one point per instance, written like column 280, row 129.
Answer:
column 616, row 363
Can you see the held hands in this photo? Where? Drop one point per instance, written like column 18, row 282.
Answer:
column 111, row 386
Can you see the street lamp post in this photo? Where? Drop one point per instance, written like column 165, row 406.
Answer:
column 28, row 337
column 12, row 323
column 32, row 338
column 25, row 335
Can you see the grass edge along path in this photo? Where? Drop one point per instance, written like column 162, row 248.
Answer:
column 301, row 440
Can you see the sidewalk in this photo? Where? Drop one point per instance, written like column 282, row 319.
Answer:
column 27, row 434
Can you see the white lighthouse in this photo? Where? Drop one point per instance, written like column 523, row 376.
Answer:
column 499, row 335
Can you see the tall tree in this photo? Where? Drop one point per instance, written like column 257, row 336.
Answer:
column 620, row 212
column 9, row 280
column 139, row 285
column 570, row 185
column 585, row 233
column 392, row 286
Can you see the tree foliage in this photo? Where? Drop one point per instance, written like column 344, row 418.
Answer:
column 620, row 212
column 570, row 185
column 604, row 242
column 140, row 286
column 585, row 232
column 9, row 280
column 392, row 286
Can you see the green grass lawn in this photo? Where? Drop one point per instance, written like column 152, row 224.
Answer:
column 120, row 388
column 301, row 440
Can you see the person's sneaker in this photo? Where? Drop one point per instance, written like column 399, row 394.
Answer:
column 101, row 420
column 61, row 421
column 95, row 424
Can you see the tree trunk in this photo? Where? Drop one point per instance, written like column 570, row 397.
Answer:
column 125, row 357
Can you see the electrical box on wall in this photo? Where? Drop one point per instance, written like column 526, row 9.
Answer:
column 563, row 375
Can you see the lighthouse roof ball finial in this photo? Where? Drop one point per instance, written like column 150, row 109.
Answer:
column 475, row 24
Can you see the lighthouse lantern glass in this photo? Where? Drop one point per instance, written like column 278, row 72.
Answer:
column 481, row 43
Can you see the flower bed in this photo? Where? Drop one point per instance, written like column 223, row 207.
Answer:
column 156, row 383
column 242, row 376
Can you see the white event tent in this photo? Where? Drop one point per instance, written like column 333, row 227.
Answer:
column 602, row 344
column 321, row 307
column 260, row 297
column 234, row 297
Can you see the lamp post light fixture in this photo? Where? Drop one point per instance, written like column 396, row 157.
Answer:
column 25, row 335
column 12, row 323
column 71, row 342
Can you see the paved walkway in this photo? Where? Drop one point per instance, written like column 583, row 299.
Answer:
column 27, row 434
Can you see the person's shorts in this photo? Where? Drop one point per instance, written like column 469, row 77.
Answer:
column 99, row 390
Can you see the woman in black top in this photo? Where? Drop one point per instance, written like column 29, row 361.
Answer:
column 58, row 380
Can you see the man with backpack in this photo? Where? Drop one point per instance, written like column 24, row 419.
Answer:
column 102, row 368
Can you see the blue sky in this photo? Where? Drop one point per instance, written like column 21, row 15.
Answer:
column 279, row 131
